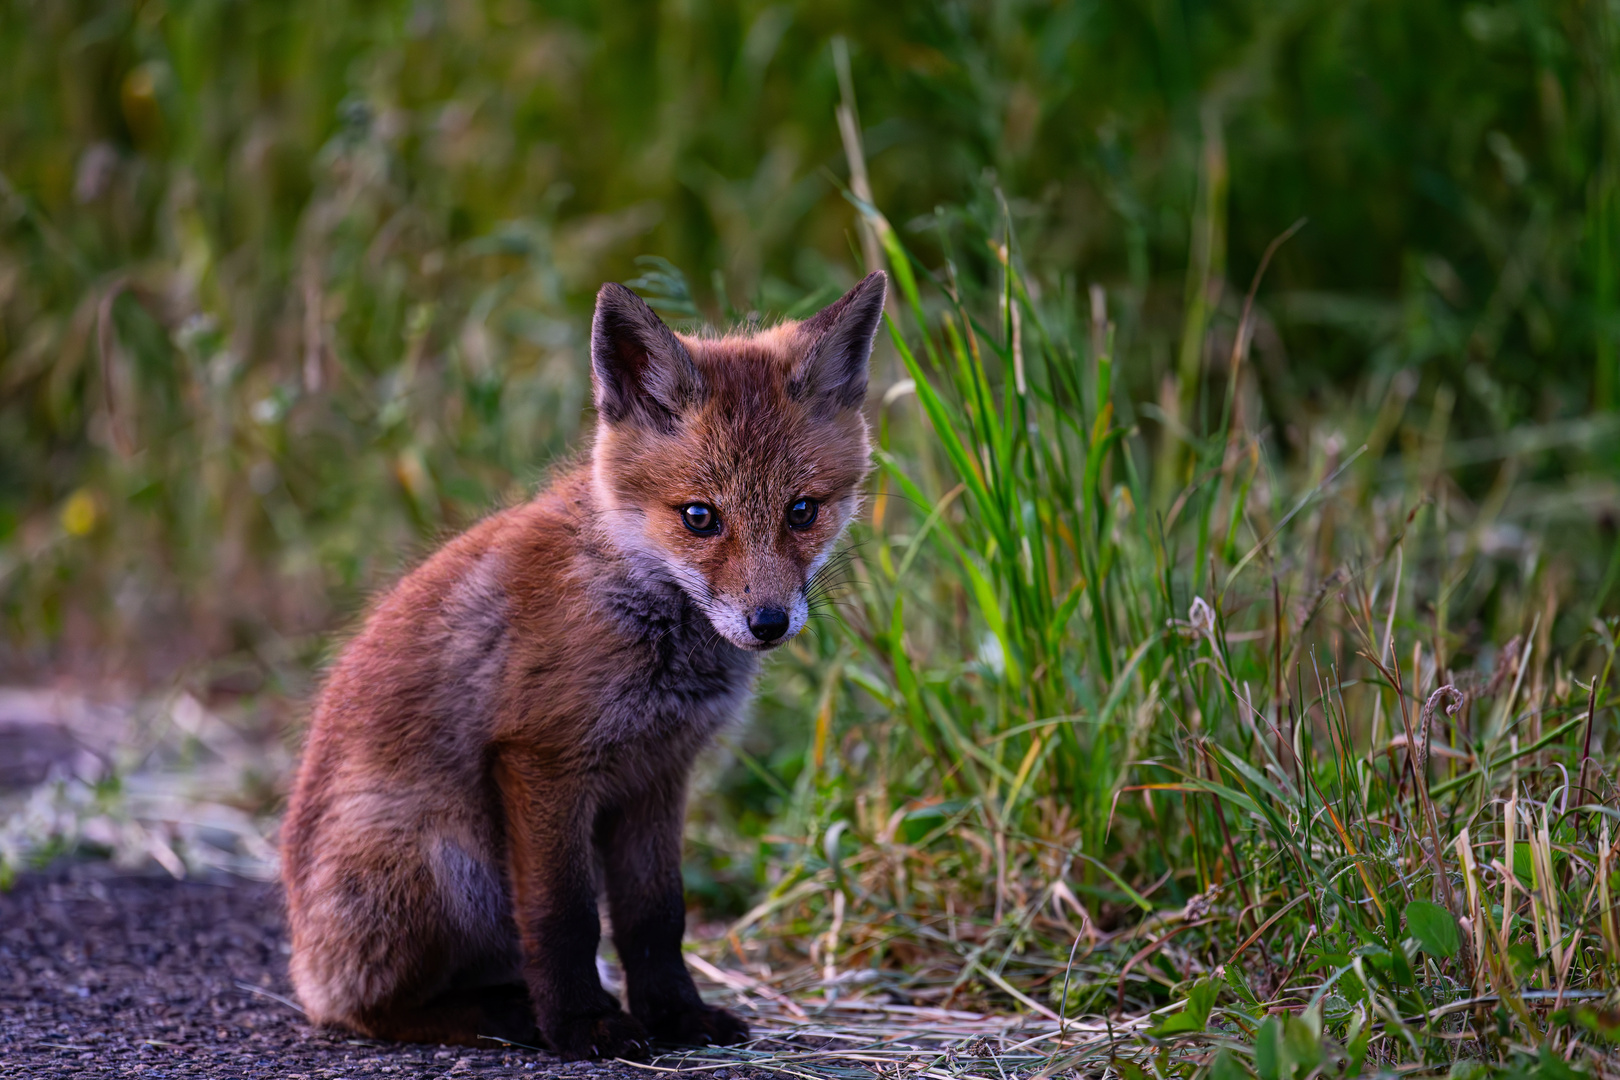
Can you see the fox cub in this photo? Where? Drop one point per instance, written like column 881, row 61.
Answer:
column 513, row 727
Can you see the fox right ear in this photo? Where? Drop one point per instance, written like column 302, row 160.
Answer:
column 833, row 371
column 640, row 370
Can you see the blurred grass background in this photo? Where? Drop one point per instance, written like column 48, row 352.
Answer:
column 286, row 290
column 289, row 292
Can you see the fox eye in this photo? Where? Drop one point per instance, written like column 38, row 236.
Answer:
column 701, row 518
column 802, row 514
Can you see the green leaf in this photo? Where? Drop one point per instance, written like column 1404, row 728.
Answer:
column 906, row 679
column 1240, row 987
column 1228, row 1066
column 1522, row 959
column 1549, row 1066
column 1301, row 1047
column 1288, row 1047
column 1268, row 1050
column 1401, row 967
column 1356, row 1047
column 1200, row 1000
column 1521, row 864
column 1433, row 927
column 1350, row 984
column 1065, row 610
column 990, row 609
column 945, row 426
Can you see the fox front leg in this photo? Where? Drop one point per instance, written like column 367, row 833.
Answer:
column 548, row 828
column 640, row 841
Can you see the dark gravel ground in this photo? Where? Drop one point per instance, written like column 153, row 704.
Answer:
column 113, row 975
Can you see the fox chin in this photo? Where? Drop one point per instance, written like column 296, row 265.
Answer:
column 511, row 732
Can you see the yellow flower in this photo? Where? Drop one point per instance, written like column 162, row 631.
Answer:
column 79, row 513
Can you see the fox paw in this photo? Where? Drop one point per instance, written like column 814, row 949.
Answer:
column 701, row 1026
column 606, row 1035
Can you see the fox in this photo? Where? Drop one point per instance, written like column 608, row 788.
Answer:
column 510, row 734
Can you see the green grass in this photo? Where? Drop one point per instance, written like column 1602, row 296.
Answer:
column 1070, row 720
column 1165, row 559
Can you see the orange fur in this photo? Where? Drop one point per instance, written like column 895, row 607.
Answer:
column 511, row 731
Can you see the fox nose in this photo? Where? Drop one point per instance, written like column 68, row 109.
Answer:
column 768, row 623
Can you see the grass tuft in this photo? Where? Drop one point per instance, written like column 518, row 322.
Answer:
column 1223, row 778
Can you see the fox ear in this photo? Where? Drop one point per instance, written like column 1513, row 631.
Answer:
column 833, row 371
column 641, row 371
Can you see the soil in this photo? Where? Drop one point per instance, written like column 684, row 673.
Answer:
column 103, row 974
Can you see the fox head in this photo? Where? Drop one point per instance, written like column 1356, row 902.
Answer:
column 733, row 463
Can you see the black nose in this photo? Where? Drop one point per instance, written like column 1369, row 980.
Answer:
column 768, row 623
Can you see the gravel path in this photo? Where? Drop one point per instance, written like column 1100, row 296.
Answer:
column 110, row 975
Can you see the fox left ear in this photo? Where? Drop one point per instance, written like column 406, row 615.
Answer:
column 641, row 371
column 834, row 367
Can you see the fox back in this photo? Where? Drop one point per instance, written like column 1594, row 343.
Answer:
column 515, row 723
